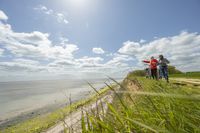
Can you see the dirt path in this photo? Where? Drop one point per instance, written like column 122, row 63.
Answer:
column 74, row 120
column 186, row 80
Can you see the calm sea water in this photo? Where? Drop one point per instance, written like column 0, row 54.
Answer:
column 20, row 97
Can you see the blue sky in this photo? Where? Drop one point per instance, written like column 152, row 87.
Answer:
column 98, row 37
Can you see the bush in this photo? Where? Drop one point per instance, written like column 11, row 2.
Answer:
column 173, row 70
column 137, row 73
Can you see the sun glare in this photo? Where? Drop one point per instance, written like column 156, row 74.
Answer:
column 79, row 3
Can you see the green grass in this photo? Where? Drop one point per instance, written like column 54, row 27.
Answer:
column 43, row 122
column 157, row 107
column 195, row 75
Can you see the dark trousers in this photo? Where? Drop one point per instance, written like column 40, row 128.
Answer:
column 164, row 71
column 154, row 73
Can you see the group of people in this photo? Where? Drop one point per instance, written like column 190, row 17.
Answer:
column 157, row 68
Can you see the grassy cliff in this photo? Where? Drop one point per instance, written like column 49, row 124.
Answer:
column 144, row 105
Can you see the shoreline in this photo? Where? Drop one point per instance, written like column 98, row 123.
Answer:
column 38, row 122
column 27, row 115
column 18, row 116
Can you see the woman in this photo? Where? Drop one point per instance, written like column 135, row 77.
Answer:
column 153, row 65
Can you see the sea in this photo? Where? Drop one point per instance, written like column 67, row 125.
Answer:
column 21, row 100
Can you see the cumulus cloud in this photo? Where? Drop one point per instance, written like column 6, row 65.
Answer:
column 116, row 65
column 60, row 17
column 85, row 65
column 1, row 51
column 63, row 40
column 119, row 61
column 34, row 44
column 35, row 52
column 142, row 41
column 22, row 65
column 62, row 63
column 44, row 9
column 3, row 16
column 98, row 51
column 89, row 61
column 182, row 50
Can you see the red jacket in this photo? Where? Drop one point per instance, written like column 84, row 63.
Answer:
column 153, row 63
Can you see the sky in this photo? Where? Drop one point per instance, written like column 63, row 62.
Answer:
column 95, row 38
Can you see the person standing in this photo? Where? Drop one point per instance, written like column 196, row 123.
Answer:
column 153, row 65
column 164, row 67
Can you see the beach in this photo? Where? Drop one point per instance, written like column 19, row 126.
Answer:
column 21, row 100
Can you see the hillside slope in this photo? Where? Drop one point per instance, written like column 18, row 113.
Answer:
column 144, row 105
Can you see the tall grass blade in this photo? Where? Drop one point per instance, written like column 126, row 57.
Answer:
column 142, row 125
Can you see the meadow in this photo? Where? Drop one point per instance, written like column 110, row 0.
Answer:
column 194, row 75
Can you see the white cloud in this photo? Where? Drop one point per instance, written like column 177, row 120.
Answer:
column 92, row 65
column 117, row 66
column 63, row 41
column 98, row 51
column 26, row 61
column 1, row 51
column 35, row 53
column 118, row 60
column 130, row 48
column 44, row 9
column 182, row 50
column 21, row 65
column 109, row 54
column 62, row 63
column 142, row 41
column 89, row 61
column 60, row 17
column 35, row 38
column 34, row 44
column 3, row 16
column 37, row 47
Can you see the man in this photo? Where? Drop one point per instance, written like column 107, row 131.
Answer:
column 163, row 67
column 153, row 65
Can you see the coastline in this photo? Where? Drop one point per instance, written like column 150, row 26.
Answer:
column 29, row 114
column 17, row 115
column 42, row 122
